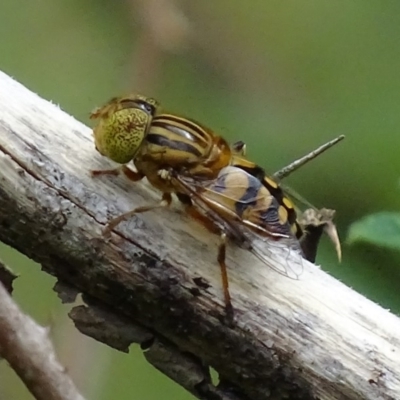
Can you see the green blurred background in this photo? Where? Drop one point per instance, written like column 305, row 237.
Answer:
column 285, row 76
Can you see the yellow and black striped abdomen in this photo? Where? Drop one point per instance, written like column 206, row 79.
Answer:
column 250, row 200
column 286, row 207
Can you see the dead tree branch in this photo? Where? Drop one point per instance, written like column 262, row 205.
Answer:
column 308, row 339
column 27, row 348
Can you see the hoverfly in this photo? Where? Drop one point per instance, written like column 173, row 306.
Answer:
column 178, row 155
column 309, row 225
column 134, row 128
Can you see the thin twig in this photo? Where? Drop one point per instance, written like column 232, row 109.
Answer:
column 27, row 348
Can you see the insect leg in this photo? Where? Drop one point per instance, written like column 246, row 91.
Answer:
column 224, row 276
column 203, row 219
column 131, row 175
column 165, row 202
column 239, row 148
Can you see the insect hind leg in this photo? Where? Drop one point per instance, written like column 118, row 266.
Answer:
column 224, row 276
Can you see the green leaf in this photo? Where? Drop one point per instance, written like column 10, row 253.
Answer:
column 381, row 229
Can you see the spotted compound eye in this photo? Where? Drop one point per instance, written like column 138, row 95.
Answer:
column 120, row 134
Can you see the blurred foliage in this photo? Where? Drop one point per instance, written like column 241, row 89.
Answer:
column 379, row 229
column 283, row 76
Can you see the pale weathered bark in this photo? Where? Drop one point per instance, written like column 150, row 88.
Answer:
column 312, row 338
column 27, row 348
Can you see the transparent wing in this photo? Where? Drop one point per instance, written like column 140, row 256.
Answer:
column 238, row 204
column 284, row 255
